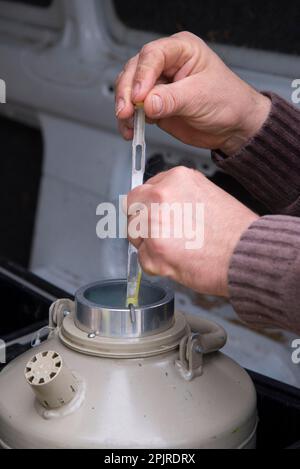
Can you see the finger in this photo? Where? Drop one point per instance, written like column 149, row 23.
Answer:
column 164, row 57
column 157, row 179
column 179, row 129
column 161, row 81
column 151, row 121
column 124, row 83
column 125, row 130
column 146, row 260
column 129, row 124
column 137, row 243
column 136, row 209
column 140, row 195
column 170, row 100
column 138, row 228
column 126, row 127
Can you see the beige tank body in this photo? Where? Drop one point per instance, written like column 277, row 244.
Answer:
column 132, row 403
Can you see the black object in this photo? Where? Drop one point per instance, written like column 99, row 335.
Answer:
column 279, row 414
column 25, row 302
column 34, row 3
column 265, row 25
column 20, row 175
column 278, row 404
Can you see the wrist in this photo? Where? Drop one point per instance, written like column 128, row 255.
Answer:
column 254, row 114
column 236, row 234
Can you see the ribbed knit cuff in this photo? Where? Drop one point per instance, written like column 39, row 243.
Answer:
column 269, row 165
column 264, row 276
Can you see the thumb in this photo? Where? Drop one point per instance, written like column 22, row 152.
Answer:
column 169, row 100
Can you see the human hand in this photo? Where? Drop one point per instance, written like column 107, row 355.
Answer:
column 191, row 94
column 204, row 269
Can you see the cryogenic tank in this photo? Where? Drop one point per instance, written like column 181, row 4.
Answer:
column 110, row 377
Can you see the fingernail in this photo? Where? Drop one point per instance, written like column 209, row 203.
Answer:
column 120, row 106
column 157, row 104
column 136, row 90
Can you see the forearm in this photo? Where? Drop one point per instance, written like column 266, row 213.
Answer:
column 264, row 274
column 268, row 166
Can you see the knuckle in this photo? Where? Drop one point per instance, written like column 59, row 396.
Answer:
column 136, row 208
column 142, row 69
column 151, row 53
column 147, row 67
column 133, row 197
column 186, row 36
column 146, row 263
column 155, row 268
column 123, row 88
column 180, row 171
column 164, row 271
column 190, row 42
column 130, row 64
column 171, row 102
column 126, row 90
column 160, row 194
column 157, row 246
column 147, row 49
column 148, row 269
column 159, row 250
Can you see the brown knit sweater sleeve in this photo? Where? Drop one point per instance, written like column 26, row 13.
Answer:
column 264, row 275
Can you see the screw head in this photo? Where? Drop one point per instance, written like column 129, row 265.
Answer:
column 92, row 335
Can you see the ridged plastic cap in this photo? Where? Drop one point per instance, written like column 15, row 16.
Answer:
column 52, row 382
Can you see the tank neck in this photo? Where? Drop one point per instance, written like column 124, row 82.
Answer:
column 100, row 312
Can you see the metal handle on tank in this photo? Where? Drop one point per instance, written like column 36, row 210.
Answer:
column 212, row 337
column 206, row 338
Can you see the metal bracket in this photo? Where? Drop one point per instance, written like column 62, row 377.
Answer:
column 190, row 363
column 207, row 338
column 58, row 311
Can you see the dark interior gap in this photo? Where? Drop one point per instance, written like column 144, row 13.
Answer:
column 268, row 25
column 20, row 175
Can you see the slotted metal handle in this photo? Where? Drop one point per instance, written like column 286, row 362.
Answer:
column 134, row 273
column 138, row 148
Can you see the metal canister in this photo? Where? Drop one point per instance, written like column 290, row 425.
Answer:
column 147, row 377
